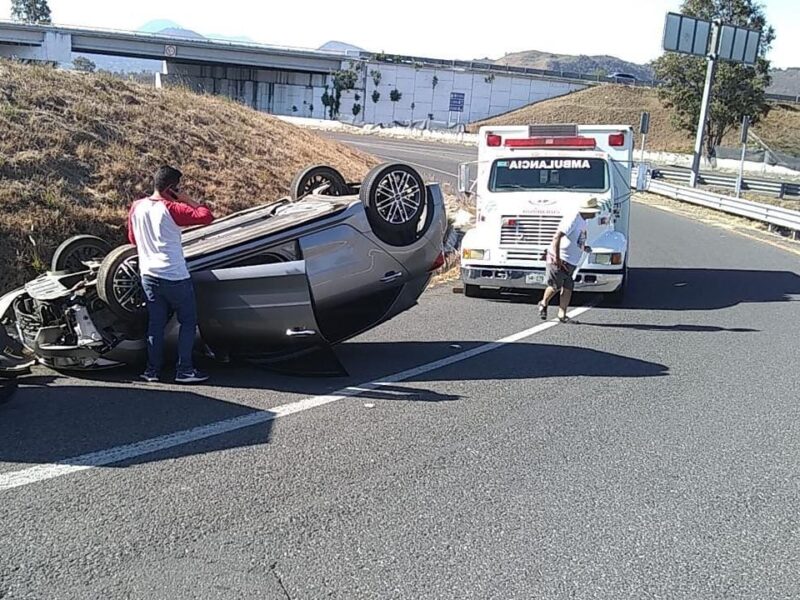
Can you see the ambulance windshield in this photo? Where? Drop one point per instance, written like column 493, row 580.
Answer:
column 533, row 174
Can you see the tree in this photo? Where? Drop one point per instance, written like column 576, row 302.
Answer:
column 356, row 109
column 376, row 95
column 31, row 11
column 738, row 90
column 434, row 83
column 83, row 64
column 395, row 95
column 342, row 81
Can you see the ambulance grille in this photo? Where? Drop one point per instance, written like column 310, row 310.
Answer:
column 537, row 230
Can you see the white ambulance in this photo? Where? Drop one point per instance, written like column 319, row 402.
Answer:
column 528, row 178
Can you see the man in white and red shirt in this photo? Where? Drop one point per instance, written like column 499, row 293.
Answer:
column 154, row 227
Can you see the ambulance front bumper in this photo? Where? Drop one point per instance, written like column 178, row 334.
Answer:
column 532, row 278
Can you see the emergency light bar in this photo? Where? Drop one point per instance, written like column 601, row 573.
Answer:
column 551, row 142
column 615, row 140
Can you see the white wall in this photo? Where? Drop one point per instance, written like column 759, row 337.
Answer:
column 484, row 95
column 279, row 91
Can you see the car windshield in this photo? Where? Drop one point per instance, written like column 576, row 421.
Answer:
column 567, row 173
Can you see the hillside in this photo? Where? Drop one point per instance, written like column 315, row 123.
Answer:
column 619, row 104
column 585, row 65
column 784, row 81
column 76, row 149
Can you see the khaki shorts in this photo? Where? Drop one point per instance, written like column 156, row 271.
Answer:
column 560, row 278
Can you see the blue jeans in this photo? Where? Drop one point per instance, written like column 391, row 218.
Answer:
column 163, row 297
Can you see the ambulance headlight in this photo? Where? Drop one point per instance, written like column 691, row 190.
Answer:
column 472, row 254
column 606, row 258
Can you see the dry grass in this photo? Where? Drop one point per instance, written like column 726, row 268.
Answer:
column 619, row 104
column 77, row 149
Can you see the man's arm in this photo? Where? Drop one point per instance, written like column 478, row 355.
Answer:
column 186, row 212
column 131, row 236
column 555, row 248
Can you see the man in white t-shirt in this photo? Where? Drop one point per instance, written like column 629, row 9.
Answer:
column 569, row 244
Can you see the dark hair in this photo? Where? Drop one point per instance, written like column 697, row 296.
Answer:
column 166, row 177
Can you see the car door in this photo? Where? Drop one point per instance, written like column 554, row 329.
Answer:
column 257, row 310
column 353, row 280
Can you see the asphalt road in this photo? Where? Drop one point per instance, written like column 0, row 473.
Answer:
column 651, row 451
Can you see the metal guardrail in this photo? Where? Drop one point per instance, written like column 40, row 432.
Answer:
column 779, row 189
column 766, row 213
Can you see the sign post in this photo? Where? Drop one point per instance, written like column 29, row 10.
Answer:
column 745, row 128
column 456, row 106
column 714, row 40
column 644, row 129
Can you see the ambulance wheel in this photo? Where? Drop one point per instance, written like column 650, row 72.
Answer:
column 476, row 291
column 617, row 297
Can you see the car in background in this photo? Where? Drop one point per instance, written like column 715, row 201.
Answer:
column 624, row 78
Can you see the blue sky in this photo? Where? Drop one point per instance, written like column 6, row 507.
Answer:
column 630, row 29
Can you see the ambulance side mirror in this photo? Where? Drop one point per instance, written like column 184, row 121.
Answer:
column 464, row 184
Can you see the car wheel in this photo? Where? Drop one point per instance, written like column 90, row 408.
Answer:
column 72, row 253
column 313, row 178
column 395, row 198
column 119, row 284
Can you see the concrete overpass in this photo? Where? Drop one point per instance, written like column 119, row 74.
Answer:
column 293, row 81
column 57, row 43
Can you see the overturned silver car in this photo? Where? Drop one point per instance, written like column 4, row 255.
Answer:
column 277, row 284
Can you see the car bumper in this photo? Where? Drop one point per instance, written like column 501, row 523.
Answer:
column 532, row 279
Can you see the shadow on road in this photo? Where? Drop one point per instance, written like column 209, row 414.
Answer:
column 663, row 288
column 46, row 423
column 707, row 289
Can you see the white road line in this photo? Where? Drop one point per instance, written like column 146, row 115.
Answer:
column 102, row 458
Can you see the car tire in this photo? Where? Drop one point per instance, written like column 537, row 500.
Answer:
column 69, row 256
column 314, row 177
column 119, row 285
column 395, row 199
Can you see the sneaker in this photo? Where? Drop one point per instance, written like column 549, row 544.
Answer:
column 542, row 311
column 190, row 376
column 150, row 376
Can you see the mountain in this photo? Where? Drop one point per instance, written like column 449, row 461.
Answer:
column 158, row 25
column 343, row 47
column 784, row 81
column 586, row 65
column 179, row 32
